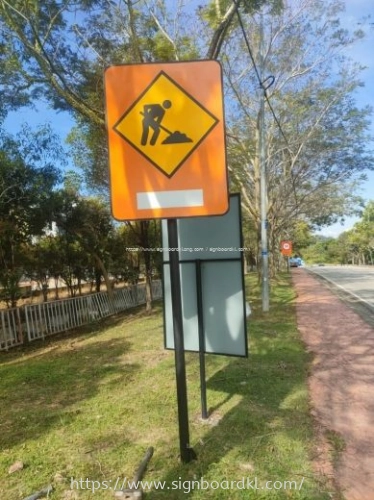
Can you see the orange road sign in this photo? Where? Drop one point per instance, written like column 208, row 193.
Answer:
column 167, row 154
column 286, row 247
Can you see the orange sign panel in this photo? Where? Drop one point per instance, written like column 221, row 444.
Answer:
column 286, row 247
column 167, row 154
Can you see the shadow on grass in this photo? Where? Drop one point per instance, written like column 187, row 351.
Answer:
column 270, row 404
column 92, row 329
column 56, row 381
column 260, row 424
column 43, row 383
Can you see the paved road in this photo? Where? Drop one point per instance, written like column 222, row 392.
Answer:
column 357, row 281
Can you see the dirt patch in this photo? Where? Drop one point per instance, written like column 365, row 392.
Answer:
column 341, row 384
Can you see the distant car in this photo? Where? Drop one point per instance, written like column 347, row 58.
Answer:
column 294, row 262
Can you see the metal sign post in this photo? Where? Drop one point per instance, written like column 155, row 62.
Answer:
column 166, row 138
column 214, row 316
column 286, row 251
column 200, row 316
column 186, row 452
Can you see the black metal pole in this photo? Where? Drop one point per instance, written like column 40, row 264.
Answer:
column 187, row 453
column 200, row 320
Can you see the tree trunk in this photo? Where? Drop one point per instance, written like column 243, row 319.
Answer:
column 56, row 278
column 148, row 292
column 105, row 274
column 80, row 286
column 97, row 280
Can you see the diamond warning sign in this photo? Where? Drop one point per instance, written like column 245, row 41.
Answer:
column 165, row 124
column 166, row 137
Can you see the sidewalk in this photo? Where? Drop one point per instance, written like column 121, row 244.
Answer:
column 341, row 382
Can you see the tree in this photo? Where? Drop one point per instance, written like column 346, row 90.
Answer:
column 360, row 239
column 46, row 260
column 317, row 147
column 62, row 56
column 27, row 179
column 322, row 249
column 147, row 236
column 75, row 263
column 59, row 49
column 86, row 221
column 125, row 264
column 36, row 264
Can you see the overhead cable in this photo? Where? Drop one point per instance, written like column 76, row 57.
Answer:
column 262, row 83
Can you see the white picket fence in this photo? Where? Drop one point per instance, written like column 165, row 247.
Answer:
column 37, row 321
column 11, row 333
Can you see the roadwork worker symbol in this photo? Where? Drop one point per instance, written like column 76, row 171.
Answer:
column 152, row 117
column 165, row 124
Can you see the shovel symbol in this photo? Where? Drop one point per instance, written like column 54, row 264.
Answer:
column 152, row 117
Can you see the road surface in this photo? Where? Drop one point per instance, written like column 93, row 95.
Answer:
column 355, row 285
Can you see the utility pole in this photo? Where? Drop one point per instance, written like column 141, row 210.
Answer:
column 263, row 183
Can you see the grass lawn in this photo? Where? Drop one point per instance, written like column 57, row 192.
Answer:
column 88, row 405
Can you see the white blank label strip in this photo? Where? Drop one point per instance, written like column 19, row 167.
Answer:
column 170, row 199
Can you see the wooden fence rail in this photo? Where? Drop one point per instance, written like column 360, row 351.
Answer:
column 37, row 321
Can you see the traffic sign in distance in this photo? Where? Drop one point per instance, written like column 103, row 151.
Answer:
column 166, row 140
column 286, row 247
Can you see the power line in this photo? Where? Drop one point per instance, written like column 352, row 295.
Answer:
column 264, row 85
column 260, row 81
column 236, row 3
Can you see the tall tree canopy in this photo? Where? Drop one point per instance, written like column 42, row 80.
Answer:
column 317, row 141
column 317, row 147
column 28, row 177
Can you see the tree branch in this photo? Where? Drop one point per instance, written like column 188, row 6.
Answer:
column 221, row 30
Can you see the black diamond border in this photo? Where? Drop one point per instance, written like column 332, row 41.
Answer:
column 162, row 73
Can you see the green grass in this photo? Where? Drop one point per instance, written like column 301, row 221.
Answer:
column 89, row 404
column 337, row 444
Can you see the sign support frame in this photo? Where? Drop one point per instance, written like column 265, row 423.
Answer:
column 200, row 316
column 187, row 454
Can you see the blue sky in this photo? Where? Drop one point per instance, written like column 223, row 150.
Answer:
column 356, row 11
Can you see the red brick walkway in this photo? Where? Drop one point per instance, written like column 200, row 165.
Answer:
column 342, row 380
